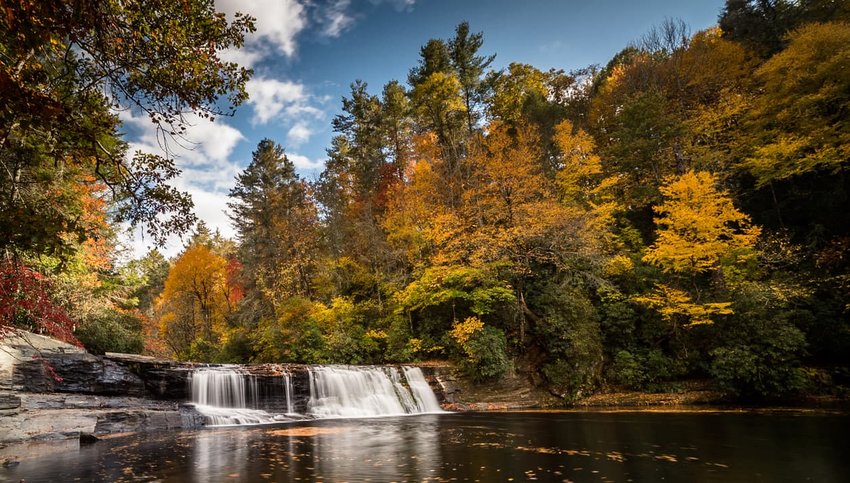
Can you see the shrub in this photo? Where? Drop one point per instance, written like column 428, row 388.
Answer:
column 569, row 333
column 627, row 371
column 111, row 331
column 642, row 371
column 486, row 355
column 759, row 356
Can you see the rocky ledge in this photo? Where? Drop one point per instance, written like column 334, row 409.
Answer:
column 52, row 390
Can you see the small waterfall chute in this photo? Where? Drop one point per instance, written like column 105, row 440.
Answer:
column 426, row 400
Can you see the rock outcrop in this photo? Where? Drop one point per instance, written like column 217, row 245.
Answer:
column 52, row 390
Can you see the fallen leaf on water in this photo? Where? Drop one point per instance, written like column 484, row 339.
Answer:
column 666, row 457
column 306, row 431
column 615, row 456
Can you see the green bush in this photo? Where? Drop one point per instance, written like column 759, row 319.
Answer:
column 627, row 371
column 398, row 338
column 237, row 349
column 761, row 369
column 111, row 331
column 642, row 371
column 293, row 337
column 759, row 356
column 486, row 355
column 569, row 333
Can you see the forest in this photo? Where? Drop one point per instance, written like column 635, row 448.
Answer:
column 678, row 213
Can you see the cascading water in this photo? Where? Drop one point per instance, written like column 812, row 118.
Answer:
column 287, row 388
column 227, row 396
column 224, row 396
column 354, row 392
column 421, row 391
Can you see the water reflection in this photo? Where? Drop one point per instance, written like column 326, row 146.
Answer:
column 468, row 447
column 408, row 450
column 213, row 457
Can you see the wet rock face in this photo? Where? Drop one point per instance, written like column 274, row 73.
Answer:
column 56, row 416
column 23, row 368
column 78, row 373
column 161, row 379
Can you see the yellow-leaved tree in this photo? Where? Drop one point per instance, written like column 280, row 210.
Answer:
column 699, row 231
column 580, row 179
column 195, row 301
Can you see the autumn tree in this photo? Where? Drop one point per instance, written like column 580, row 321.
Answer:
column 195, row 302
column 64, row 65
column 699, row 231
column 510, row 89
column 797, row 121
column 26, row 303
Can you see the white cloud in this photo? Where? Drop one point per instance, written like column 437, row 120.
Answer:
column 400, row 5
column 298, row 134
column 278, row 22
column 303, row 162
column 207, row 171
column 245, row 57
column 210, row 206
column 271, row 98
column 204, row 141
column 336, row 19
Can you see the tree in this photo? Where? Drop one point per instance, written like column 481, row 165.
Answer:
column 580, row 166
column 277, row 226
column 397, row 129
column 195, row 301
column 699, row 230
column 762, row 25
column 434, row 57
column 439, row 105
column 469, row 66
column 26, row 303
column 698, row 225
column 64, row 65
column 359, row 123
column 511, row 89
column 797, row 123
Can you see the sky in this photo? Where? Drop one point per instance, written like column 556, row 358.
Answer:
column 306, row 53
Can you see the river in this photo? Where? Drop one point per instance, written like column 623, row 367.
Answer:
column 701, row 446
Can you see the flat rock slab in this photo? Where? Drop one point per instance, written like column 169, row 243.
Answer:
column 9, row 401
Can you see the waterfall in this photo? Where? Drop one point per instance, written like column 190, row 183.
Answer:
column 425, row 398
column 223, row 388
column 352, row 392
column 287, row 387
column 223, row 396
column 230, row 396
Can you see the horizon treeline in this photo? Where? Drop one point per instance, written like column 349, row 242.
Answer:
column 679, row 213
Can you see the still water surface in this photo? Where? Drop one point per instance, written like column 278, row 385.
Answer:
column 520, row 446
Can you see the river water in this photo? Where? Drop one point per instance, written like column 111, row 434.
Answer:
column 511, row 446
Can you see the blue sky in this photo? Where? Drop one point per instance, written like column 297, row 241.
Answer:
column 306, row 53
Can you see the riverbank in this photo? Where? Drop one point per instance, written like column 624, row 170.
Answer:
column 54, row 391
column 520, row 391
